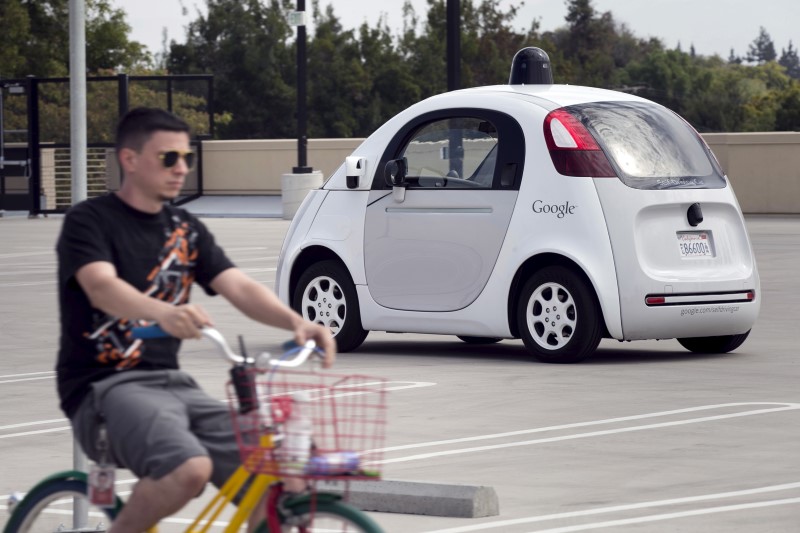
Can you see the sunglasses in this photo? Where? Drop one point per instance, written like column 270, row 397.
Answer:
column 170, row 159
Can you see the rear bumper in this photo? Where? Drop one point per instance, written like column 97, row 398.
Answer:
column 698, row 315
column 701, row 298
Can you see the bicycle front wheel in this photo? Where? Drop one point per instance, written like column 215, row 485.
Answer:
column 50, row 508
column 325, row 516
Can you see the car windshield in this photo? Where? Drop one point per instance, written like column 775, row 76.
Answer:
column 650, row 146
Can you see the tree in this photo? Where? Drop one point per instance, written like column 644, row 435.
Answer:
column 15, row 28
column 339, row 85
column 392, row 84
column 360, row 78
column 589, row 43
column 790, row 61
column 245, row 45
column 36, row 38
column 733, row 59
column 108, row 47
column 787, row 117
column 762, row 49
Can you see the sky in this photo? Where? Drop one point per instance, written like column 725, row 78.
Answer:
column 712, row 26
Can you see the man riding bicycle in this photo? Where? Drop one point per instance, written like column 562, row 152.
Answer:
column 128, row 259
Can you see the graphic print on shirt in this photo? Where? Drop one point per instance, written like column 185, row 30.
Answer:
column 170, row 281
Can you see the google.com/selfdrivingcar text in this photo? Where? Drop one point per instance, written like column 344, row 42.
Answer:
column 713, row 309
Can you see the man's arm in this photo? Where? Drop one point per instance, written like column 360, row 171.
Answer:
column 109, row 293
column 261, row 304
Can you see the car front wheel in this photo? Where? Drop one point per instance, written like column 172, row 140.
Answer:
column 721, row 344
column 325, row 295
column 558, row 316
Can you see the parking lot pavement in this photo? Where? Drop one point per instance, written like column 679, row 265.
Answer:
column 641, row 437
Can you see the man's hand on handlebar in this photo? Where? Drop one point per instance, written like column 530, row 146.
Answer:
column 184, row 321
column 321, row 335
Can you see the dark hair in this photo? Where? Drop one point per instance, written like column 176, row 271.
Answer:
column 138, row 124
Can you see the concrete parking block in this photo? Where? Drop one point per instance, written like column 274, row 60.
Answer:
column 419, row 498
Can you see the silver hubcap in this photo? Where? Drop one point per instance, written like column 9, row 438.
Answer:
column 324, row 303
column 551, row 316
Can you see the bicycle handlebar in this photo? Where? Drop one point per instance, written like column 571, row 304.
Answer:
column 308, row 349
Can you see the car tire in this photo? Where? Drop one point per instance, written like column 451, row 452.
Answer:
column 558, row 316
column 325, row 295
column 479, row 340
column 721, row 344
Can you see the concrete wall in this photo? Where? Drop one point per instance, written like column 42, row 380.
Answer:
column 255, row 167
column 764, row 168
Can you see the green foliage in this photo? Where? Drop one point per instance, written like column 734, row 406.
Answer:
column 787, row 116
column 36, row 42
column 15, row 27
column 762, row 49
column 358, row 79
column 36, row 38
column 108, row 47
column 245, row 45
column 790, row 61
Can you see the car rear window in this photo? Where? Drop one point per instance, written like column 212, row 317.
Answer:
column 650, row 146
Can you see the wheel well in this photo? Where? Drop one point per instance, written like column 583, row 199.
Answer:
column 527, row 269
column 309, row 256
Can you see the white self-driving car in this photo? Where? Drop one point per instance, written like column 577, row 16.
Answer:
column 557, row 214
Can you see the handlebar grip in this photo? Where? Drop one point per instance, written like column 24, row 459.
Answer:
column 149, row 332
column 292, row 345
column 289, row 345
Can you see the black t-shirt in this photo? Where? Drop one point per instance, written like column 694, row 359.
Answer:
column 160, row 255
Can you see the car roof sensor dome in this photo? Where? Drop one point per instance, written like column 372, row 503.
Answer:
column 531, row 66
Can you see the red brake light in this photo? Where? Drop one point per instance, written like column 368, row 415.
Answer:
column 572, row 147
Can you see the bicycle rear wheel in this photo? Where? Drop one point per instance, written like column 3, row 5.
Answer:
column 325, row 516
column 49, row 509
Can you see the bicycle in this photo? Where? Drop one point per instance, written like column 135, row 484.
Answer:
column 348, row 428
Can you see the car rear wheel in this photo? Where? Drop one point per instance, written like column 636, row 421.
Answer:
column 325, row 295
column 558, row 316
column 479, row 340
column 721, row 344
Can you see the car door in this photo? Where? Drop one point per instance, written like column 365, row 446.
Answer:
column 435, row 249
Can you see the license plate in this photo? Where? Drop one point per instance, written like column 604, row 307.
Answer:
column 695, row 244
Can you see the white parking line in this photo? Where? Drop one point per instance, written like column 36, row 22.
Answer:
column 37, row 423
column 635, row 506
column 26, row 254
column 32, row 270
column 48, row 372
column 668, row 516
column 246, row 249
column 24, row 377
column 27, row 379
column 390, row 386
column 783, row 407
column 38, row 432
column 96, row 514
column 28, row 284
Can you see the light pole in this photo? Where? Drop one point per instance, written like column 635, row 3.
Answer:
column 453, row 45
column 456, row 142
column 302, row 116
column 297, row 184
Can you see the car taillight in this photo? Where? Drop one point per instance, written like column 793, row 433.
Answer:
column 573, row 149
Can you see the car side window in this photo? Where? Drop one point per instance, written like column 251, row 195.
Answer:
column 452, row 153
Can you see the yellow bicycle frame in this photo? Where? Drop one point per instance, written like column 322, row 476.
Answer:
column 255, row 493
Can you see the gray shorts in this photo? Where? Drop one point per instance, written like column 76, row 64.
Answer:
column 156, row 420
